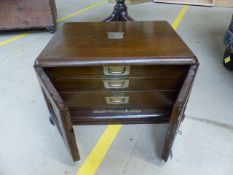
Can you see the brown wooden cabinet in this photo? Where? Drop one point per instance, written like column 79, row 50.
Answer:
column 27, row 14
column 119, row 72
column 221, row 3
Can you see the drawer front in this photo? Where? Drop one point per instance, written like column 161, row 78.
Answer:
column 118, row 71
column 127, row 84
column 119, row 116
column 154, row 99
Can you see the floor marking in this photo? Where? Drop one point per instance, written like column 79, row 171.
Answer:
column 97, row 154
column 17, row 37
column 82, row 10
column 180, row 17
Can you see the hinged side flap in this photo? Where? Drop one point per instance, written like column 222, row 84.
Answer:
column 178, row 112
column 59, row 112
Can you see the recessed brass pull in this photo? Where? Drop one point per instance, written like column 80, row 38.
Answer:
column 116, row 70
column 117, row 100
column 116, row 84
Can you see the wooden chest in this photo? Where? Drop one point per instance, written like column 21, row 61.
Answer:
column 27, row 14
column 119, row 72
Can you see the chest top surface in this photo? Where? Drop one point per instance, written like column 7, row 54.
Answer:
column 96, row 43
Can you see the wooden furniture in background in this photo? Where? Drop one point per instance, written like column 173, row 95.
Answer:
column 220, row 3
column 191, row 2
column 27, row 14
column 223, row 3
column 120, row 12
column 118, row 72
column 131, row 1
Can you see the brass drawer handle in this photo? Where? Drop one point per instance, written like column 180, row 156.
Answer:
column 117, row 100
column 116, row 70
column 116, row 84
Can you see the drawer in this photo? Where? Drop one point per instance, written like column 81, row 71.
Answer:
column 155, row 99
column 122, row 71
column 119, row 116
column 129, row 84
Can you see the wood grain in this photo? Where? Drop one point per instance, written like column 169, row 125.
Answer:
column 161, row 71
column 156, row 99
column 135, row 71
column 27, row 14
column 177, row 114
column 119, row 116
column 223, row 3
column 135, row 84
column 191, row 2
column 87, row 43
column 60, row 113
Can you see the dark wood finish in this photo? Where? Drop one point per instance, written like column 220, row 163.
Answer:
column 119, row 116
column 178, row 112
column 88, row 44
column 76, row 85
column 157, row 67
column 156, row 99
column 60, row 113
column 27, row 14
column 53, row 116
column 119, row 13
column 149, row 71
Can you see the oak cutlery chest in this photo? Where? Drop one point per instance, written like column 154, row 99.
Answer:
column 118, row 72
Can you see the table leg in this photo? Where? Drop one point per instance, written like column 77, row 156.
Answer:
column 119, row 13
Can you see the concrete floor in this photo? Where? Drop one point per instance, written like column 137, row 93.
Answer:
column 30, row 145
